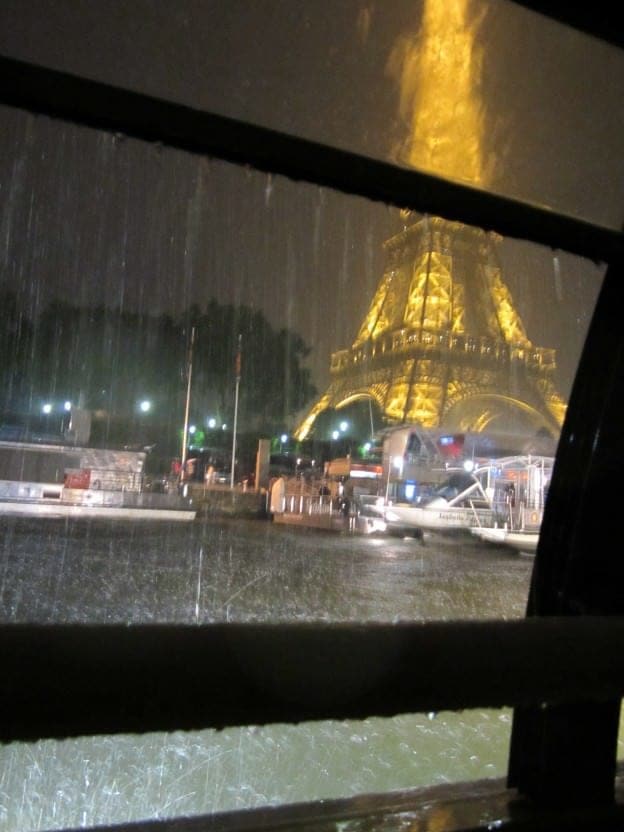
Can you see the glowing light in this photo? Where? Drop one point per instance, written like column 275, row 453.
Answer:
column 47, row 408
column 145, row 406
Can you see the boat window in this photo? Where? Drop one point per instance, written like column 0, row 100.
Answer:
column 193, row 331
column 414, row 444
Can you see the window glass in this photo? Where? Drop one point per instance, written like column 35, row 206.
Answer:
column 114, row 251
column 491, row 94
column 178, row 310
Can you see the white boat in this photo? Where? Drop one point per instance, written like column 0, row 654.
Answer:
column 506, row 493
column 56, row 481
column 459, row 502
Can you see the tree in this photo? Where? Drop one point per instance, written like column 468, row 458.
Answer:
column 107, row 360
column 15, row 351
column 274, row 383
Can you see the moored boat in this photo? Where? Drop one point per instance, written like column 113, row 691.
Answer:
column 507, row 493
column 459, row 502
column 54, row 481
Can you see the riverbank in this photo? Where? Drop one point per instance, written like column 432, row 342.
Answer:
column 223, row 501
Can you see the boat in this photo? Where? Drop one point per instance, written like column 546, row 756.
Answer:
column 505, row 494
column 65, row 481
column 415, row 459
column 459, row 502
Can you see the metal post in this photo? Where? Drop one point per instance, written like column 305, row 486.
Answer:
column 238, row 375
column 189, row 373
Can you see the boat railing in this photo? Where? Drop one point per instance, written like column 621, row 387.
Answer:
column 475, row 495
column 307, row 504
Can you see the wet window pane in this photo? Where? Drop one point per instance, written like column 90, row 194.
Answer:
column 134, row 277
column 113, row 250
column 489, row 93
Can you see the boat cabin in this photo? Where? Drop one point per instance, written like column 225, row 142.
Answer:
column 49, row 468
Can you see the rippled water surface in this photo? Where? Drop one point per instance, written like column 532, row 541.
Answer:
column 249, row 570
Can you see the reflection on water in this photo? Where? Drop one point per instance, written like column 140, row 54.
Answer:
column 245, row 571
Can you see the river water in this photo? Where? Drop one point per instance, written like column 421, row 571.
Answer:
column 241, row 571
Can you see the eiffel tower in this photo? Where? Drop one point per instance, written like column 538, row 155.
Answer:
column 442, row 344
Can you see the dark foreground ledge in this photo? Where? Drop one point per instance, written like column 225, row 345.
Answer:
column 480, row 806
column 71, row 680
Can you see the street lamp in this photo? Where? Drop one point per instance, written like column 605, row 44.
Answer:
column 145, row 406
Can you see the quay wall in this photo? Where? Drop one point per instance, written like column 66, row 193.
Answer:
column 221, row 500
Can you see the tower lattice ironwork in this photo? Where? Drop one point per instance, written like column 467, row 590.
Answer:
column 442, row 344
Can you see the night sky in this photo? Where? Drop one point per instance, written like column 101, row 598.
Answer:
column 97, row 218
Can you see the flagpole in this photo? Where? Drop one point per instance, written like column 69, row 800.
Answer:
column 238, row 376
column 189, row 372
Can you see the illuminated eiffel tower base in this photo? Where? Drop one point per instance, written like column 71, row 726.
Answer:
column 442, row 344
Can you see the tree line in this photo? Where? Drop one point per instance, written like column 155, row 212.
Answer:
column 109, row 360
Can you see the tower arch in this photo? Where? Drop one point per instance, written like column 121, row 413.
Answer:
column 441, row 335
